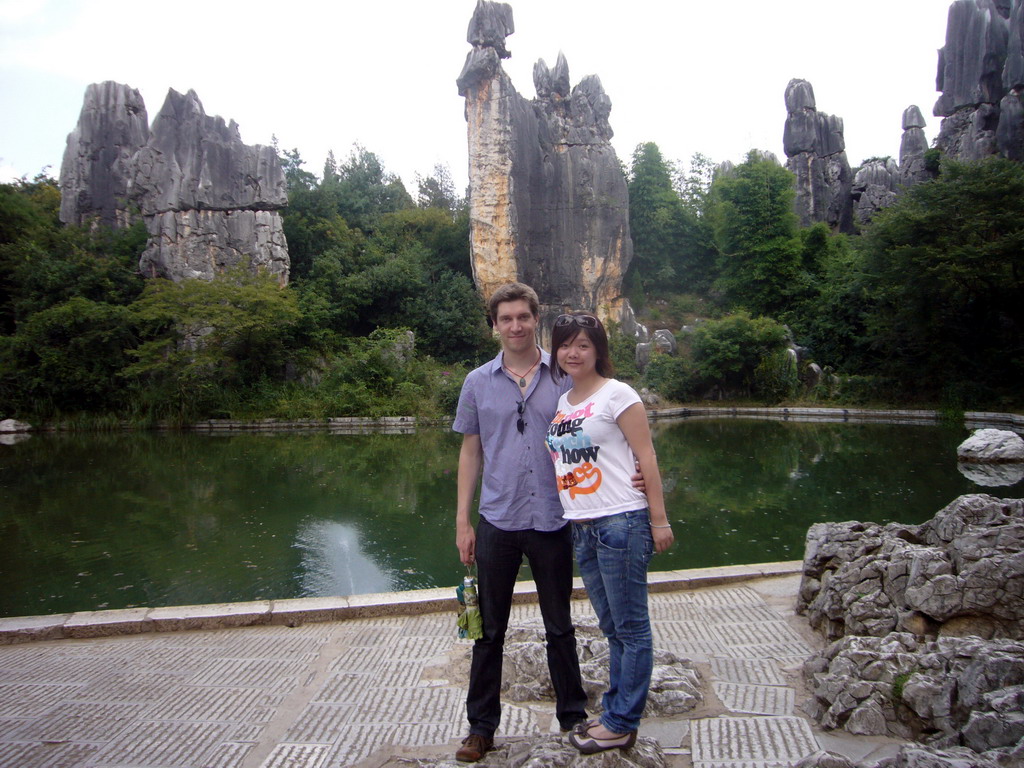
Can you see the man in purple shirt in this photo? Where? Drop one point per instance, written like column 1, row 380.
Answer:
column 503, row 414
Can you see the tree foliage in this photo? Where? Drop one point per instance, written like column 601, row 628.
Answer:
column 944, row 270
column 759, row 260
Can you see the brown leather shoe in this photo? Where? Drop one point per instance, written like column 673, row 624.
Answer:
column 474, row 747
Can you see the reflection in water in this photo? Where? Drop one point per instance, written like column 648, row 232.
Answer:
column 333, row 562
column 991, row 475
column 91, row 521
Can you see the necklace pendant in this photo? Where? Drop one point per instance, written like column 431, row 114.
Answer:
column 522, row 383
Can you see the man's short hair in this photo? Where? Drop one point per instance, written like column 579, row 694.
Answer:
column 513, row 292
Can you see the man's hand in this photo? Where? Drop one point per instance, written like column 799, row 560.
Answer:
column 638, row 479
column 465, row 540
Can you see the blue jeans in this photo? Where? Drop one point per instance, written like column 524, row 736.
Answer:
column 498, row 557
column 613, row 553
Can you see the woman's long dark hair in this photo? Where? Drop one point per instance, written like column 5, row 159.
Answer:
column 563, row 334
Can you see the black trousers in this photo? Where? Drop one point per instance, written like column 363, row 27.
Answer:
column 498, row 557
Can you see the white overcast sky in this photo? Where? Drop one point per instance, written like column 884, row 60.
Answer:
column 691, row 75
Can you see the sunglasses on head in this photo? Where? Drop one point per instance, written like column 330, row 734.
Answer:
column 584, row 321
column 519, row 422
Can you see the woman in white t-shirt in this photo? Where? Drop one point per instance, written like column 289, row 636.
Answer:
column 600, row 426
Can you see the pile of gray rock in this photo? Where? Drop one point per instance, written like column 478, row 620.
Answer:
column 676, row 685
column 928, row 630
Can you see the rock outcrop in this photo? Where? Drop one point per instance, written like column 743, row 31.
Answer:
column 209, row 202
column 875, row 186
column 97, row 167
column 676, row 686
column 548, row 200
column 951, row 692
column 960, row 573
column 981, row 77
column 816, row 152
column 928, row 624
column 913, row 145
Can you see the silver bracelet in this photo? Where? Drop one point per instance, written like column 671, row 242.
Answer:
column 661, row 526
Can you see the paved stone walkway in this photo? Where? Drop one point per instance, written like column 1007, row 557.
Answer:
column 361, row 691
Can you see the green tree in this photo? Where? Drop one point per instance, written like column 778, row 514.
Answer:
column 727, row 352
column 65, row 359
column 756, row 233
column 209, row 337
column 944, row 270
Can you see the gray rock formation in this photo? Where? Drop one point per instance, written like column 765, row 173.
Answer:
column 210, row 202
column 816, row 152
column 96, row 170
column 977, row 76
column 676, row 686
column 929, row 621
column 913, row 145
column 992, row 446
column 548, row 201
column 665, row 341
column 951, row 692
column 960, row 573
column 875, row 187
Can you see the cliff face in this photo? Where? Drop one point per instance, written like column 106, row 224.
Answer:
column 981, row 77
column 210, row 202
column 96, row 170
column 548, row 200
column 816, row 152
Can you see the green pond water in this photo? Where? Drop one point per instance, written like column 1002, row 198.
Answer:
column 100, row 521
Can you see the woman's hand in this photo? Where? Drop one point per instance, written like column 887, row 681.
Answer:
column 663, row 538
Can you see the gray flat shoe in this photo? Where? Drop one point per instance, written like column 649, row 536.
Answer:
column 591, row 745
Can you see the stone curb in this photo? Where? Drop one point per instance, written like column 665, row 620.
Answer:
column 296, row 611
column 402, row 424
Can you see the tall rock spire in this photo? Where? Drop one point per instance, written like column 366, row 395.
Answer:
column 548, row 200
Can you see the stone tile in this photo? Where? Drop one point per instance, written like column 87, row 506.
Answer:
column 250, row 673
column 226, row 705
column 320, row 723
column 26, row 700
column 757, row 633
column 74, row 721
column 354, row 743
column 409, row 705
column 751, row 739
column 228, row 754
column 750, row 671
column 756, row 699
column 671, row 734
column 164, row 744
column 36, row 755
column 297, row 756
column 727, row 596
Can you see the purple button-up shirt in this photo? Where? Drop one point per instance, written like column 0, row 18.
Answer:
column 518, row 491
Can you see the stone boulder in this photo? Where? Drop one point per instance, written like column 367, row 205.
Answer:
column 665, row 341
column 950, row 692
column 548, row 202
column 96, row 171
column 676, row 685
column 210, row 202
column 816, row 152
column 992, row 446
column 960, row 573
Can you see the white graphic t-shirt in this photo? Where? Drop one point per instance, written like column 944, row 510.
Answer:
column 594, row 465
